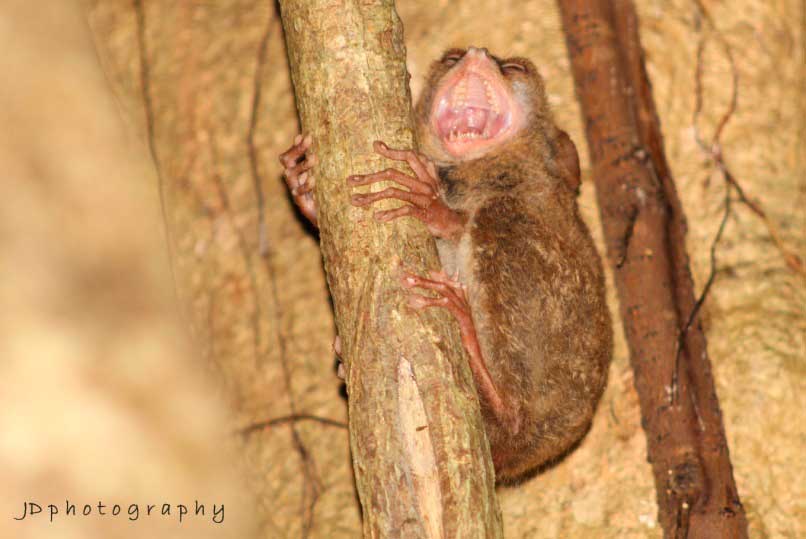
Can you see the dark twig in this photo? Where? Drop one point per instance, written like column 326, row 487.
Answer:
column 246, row 431
column 250, row 135
column 145, row 86
column 145, row 90
column 311, row 482
column 714, row 149
column 310, row 477
column 701, row 299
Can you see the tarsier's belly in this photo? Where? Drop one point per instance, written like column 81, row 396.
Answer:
column 552, row 382
column 454, row 258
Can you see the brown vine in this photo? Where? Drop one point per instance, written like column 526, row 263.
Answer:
column 645, row 228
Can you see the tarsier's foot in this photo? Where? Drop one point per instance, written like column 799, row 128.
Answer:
column 451, row 294
column 298, row 163
column 423, row 195
column 337, row 350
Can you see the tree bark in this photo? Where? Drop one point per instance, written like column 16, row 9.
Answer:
column 645, row 234
column 420, row 455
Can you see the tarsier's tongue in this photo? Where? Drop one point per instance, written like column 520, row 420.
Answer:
column 466, row 120
column 474, row 119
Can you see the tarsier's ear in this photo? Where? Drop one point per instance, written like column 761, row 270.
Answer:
column 565, row 153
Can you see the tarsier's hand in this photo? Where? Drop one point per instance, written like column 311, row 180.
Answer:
column 423, row 195
column 298, row 163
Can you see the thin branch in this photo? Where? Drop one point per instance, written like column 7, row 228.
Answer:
column 145, row 90
column 714, row 150
column 247, row 431
column 145, row 84
column 250, row 135
column 311, row 483
column 701, row 299
column 310, row 477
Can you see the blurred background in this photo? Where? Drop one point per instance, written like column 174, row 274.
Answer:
column 102, row 396
column 116, row 386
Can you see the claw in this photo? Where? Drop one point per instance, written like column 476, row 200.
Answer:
column 297, row 163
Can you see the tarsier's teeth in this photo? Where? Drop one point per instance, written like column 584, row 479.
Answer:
column 455, row 136
column 459, row 95
column 491, row 97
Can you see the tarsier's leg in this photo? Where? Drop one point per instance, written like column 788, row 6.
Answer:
column 297, row 162
column 451, row 295
column 337, row 350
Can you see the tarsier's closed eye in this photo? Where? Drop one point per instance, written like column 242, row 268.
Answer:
column 451, row 58
column 513, row 67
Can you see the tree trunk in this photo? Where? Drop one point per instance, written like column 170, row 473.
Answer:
column 420, row 455
column 645, row 231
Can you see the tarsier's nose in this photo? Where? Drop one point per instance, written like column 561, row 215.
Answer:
column 473, row 52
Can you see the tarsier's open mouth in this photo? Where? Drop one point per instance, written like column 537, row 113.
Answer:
column 473, row 109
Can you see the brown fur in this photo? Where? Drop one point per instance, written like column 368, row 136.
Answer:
column 534, row 279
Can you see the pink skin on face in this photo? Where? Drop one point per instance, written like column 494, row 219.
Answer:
column 475, row 108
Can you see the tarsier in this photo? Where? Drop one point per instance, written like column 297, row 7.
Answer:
column 496, row 184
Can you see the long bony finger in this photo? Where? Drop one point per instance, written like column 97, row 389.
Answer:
column 409, row 156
